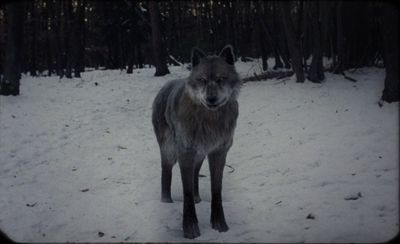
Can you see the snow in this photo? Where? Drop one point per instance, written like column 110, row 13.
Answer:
column 312, row 162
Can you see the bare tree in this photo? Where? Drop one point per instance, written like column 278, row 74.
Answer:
column 159, row 52
column 78, row 39
column 293, row 42
column 390, row 27
column 69, row 35
column 33, row 20
column 316, row 72
column 9, row 84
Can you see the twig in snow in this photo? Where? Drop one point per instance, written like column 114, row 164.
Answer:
column 310, row 216
column 380, row 103
column 348, row 78
column 353, row 196
column 233, row 169
column 121, row 147
column 282, row 81
column 31, row 204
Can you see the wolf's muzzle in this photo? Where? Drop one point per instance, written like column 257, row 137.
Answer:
column 212, row 100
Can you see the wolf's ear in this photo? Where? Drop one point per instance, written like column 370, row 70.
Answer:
column 227, row 54
column 197, row 54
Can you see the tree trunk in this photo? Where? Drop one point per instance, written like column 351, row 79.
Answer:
column 9, row 85
column 390, row 27
column 79, row 25
column 278, row 61
column 340, row 41
column 316, row 72
column 61, row 53
column 32, row 49
column 57, row 36
column 131, row 51
column 130, row 60
column 301, row 32
column 159, row 52
column 292, row 41
column 49, row 51
column 280, row 51
column 261, row 34
column 69, row 35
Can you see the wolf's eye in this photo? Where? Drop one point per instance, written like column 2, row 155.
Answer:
column 202, row 80
column 220, row 79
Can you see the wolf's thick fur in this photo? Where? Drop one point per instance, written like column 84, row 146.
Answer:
column 194, row 118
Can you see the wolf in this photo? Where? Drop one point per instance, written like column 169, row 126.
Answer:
column 194, row 118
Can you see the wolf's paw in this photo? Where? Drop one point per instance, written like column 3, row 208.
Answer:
column 191, row 230
column 166, row 199
column 219, row 224
column 197, row 199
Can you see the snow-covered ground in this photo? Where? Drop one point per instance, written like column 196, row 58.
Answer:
column 312, row 162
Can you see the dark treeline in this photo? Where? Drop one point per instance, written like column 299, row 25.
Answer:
column 62, row 37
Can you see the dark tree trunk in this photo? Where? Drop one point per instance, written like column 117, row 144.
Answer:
column 325, row 19
column 232, row 24
column 49, row 51
column 121, row 56
column 340, row 41
column 261, row 36
column 69, row 37
column 173, row 30
column 246, row 29
column 390, row 28
column 9, row 85
column 278, row 61
column 130, row 62
column 131, row 51
column 79, row 26
column 159, row 52
column 56, row 35
column 301, row 33
column 316, row 71
column 60, row 33
column 32, row 49
column 279, row 40
column 132, row 39
column 293, row 42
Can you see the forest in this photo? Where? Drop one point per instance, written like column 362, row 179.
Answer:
column 315, row 150
column 51, row 37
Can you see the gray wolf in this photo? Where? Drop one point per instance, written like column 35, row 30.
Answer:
column 194, row 118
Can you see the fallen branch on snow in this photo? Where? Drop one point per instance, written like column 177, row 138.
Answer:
column 233, row 169
column 268, row 75
column 348, row 78
column 176, row 61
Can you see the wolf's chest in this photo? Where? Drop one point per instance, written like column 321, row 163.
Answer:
column 205, row 133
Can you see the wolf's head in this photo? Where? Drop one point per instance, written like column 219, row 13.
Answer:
column 213, row 80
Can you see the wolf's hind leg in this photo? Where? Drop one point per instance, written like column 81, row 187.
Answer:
column 168, row 159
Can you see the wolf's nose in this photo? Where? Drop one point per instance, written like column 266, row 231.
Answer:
column 212, row 99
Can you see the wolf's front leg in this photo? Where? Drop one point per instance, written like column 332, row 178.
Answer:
column 197, row 168
column 217, row 162
column 186, row 164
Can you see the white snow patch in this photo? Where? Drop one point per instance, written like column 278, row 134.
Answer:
column 79, row 160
